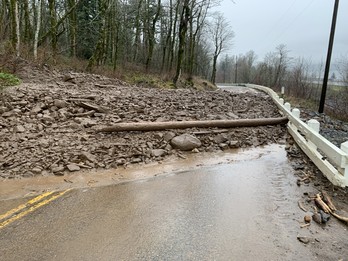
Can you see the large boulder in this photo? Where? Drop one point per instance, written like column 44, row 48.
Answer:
column 185, row 142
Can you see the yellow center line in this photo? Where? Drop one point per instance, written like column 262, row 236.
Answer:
column 32, row 208
column 25, row 205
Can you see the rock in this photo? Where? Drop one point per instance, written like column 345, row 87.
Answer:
column 73, row 167
column 57, row 170
column 169, row 136
column 2, row 109
column 234, row 144
column 68, row 78
column 324, row 217
column 221, row 138
column 307, row 218
column 185, row 142
column 38, row 107
column 60, row 103
column 47, row 118
column 158, row 152
column 168, row 147
column 304, row 240
column 88, row 122
column 158, row 135
column 121, row 161
column 19, row 128
column 232, row 115
column 8, row 114
column 136, row 160
column 37, row 170
column 223, row 146
column 195, row 150
column 88, row 156
column 317, row 218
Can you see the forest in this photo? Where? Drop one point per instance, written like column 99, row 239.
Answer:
column 179, row 37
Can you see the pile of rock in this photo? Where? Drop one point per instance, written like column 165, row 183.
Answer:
column 334, row 130
column 50, row 127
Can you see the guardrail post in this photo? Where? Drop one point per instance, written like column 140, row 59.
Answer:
column 296, row 112
column 315, row 126
column 281, row 100
column 282, row 90
column 287, row 106
column 344, row 147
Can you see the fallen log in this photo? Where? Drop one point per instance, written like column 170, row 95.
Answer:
column 156, row 126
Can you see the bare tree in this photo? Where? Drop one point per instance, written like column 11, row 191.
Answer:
column 222, row 36
column 184, row 19
column 15, row 26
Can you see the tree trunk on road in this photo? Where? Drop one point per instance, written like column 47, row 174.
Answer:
column 153, row 126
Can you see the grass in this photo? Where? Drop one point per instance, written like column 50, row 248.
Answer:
column 7, row 79
column 147, row 80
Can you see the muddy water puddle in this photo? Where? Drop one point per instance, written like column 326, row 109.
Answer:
column 26, row 187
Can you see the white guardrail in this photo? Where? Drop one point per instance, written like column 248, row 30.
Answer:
column 332, row 161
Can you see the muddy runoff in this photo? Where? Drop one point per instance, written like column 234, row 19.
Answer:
column 27, row 187
column 48, row 124
column 218, row 206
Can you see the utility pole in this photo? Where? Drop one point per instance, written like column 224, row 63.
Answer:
column 236, row 70
column 328, row 58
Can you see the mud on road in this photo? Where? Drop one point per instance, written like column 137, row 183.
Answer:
column 48, row 124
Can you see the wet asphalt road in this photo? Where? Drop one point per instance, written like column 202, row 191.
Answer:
column 239, row 211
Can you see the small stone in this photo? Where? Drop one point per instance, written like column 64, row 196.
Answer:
column 47, row 118
column 195, row 150
column 234, row 144
column 169, row 136
column 158, row 135
column 68, row 78
column 324, row 217
column 88, row 156
column 221, row 138
column 304, row 240
column 57, row 170
column 37, row 170
column 317, row 218
column 136, row 160
column 73, row 167
column 307, row 218
column 19, row 128
column 158, row 152
column 88, row 122
column 8, row 114
column 168, row 147
column 223, row 146
column 37, row 108
column 83, row 138
column 2, row 109
column 121, row 161
column 60, row 103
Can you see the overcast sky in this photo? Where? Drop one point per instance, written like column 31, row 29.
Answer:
column 302, row 25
